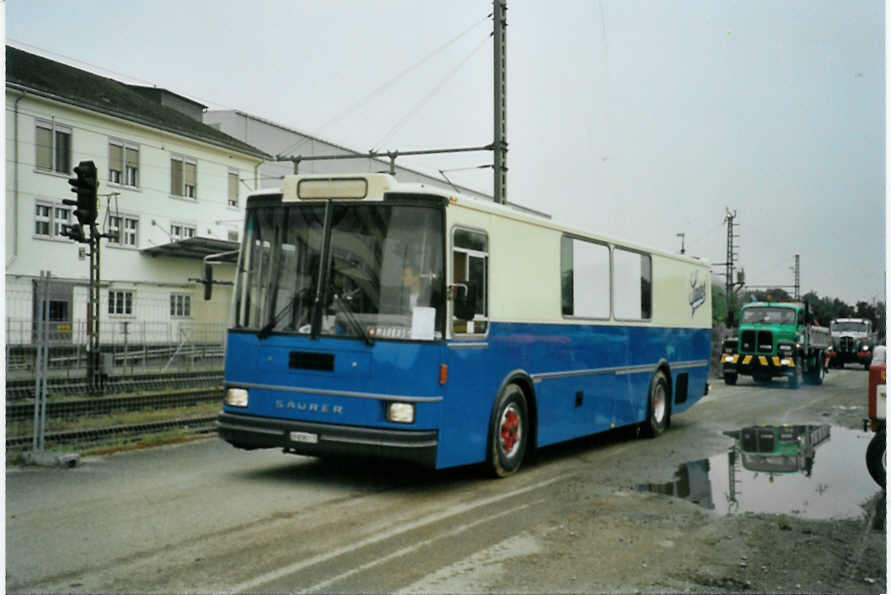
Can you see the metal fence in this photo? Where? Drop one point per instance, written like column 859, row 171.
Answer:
column 156, row 375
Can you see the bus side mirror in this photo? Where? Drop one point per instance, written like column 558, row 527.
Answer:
column 464, row 302
column 208, row 280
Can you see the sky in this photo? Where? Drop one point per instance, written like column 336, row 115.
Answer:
column 640, row 119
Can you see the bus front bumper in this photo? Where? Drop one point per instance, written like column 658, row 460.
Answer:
column 315, row 439
column 762, row 365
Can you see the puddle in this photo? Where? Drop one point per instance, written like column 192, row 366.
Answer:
column 814, row 472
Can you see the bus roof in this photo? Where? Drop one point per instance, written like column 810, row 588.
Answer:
column 373, row 186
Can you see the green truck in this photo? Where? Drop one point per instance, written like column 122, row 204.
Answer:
column 776, row 339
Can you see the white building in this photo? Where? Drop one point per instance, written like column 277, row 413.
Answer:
column 171, row 187
column 276, row 139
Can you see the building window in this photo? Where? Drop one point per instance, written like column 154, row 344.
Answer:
column 233, row 189
column 183, row 177
column 180, row 305
column 53, row 147
column 181, row 231
column 49, row 219
column 123, row 230
column 233, row 236
column 120, row 302
column 123, row 163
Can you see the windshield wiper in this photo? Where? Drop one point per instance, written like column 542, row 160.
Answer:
column 292, row 303
column 351, row 319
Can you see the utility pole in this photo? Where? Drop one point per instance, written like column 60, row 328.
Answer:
column 499, row 140
column 682, row 236
column 730, row 266
column 797, row 278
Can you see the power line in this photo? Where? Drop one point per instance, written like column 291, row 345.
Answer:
column 383, row 86
column 401, row 122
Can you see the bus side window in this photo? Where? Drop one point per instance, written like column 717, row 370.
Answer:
column 470, row 264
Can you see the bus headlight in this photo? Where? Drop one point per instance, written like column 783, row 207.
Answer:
column 236, row 397
column 403, row 413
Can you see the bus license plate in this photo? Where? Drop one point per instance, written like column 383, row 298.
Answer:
column 304, row 437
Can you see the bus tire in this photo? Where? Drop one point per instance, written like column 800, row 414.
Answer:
column 509, row 432
column 658, row 406
column 875, row 457
column 730, row 378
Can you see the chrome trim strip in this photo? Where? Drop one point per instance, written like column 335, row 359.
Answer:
column 635, row 369
column 617, row 370
column 376, row 442
column 250, row 429
column 335, row 393
column 467, row 345
column 686, row 365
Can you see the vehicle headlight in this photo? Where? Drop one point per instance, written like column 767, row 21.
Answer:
column 236, row 397
column 864, row 347
column 403, row 413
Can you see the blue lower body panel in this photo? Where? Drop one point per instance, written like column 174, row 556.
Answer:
column 578, row 379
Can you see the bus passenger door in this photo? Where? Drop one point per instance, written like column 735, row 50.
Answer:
column 471, row 385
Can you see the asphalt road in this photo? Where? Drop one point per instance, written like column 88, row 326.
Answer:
column 204, row 516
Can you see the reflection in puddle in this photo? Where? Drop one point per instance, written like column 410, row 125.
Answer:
column 775, row 469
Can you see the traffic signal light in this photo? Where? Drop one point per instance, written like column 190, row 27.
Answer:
column 86, row 186
column 75, row 232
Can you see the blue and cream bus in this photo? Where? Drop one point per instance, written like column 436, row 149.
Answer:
column 372, row 317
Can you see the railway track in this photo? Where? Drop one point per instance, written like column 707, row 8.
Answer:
column 24, row 389
column 72, row 408
column 203, row 424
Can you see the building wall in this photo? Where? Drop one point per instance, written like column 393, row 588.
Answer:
column 151, row 204
column 276, row 139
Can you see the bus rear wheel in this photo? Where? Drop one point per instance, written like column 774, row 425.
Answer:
column 658, row 406
column 509, row 433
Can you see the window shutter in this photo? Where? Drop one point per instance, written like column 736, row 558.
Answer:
column 190, row 174
column 233, row 189
column 44, row 148
column 176, row 177
column 115, row 157
column 132, row 158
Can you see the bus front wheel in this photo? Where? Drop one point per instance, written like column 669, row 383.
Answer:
column 657, row 406
column 509, row 433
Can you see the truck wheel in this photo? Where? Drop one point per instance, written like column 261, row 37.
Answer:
column 875, row 457
column 658, row 406
column 509, row 432
column 795, row 378
column 730, row 378
column 816, row 376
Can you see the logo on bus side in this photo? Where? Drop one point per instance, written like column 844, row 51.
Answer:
column 697, row 293
column 304, row 406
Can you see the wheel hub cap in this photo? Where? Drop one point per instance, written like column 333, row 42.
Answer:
column 511, row 430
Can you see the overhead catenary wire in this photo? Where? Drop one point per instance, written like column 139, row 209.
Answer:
column 383, row 86
column 423, row 101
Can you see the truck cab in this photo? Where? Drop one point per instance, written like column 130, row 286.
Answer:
column 853, row 340
column 776, row 340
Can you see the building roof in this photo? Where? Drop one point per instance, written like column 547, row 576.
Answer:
column 68, row 84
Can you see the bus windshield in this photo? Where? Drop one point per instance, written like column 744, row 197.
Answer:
column 768, row 315
column 374, row 271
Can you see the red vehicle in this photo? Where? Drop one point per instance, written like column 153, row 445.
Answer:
column 875, row 452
